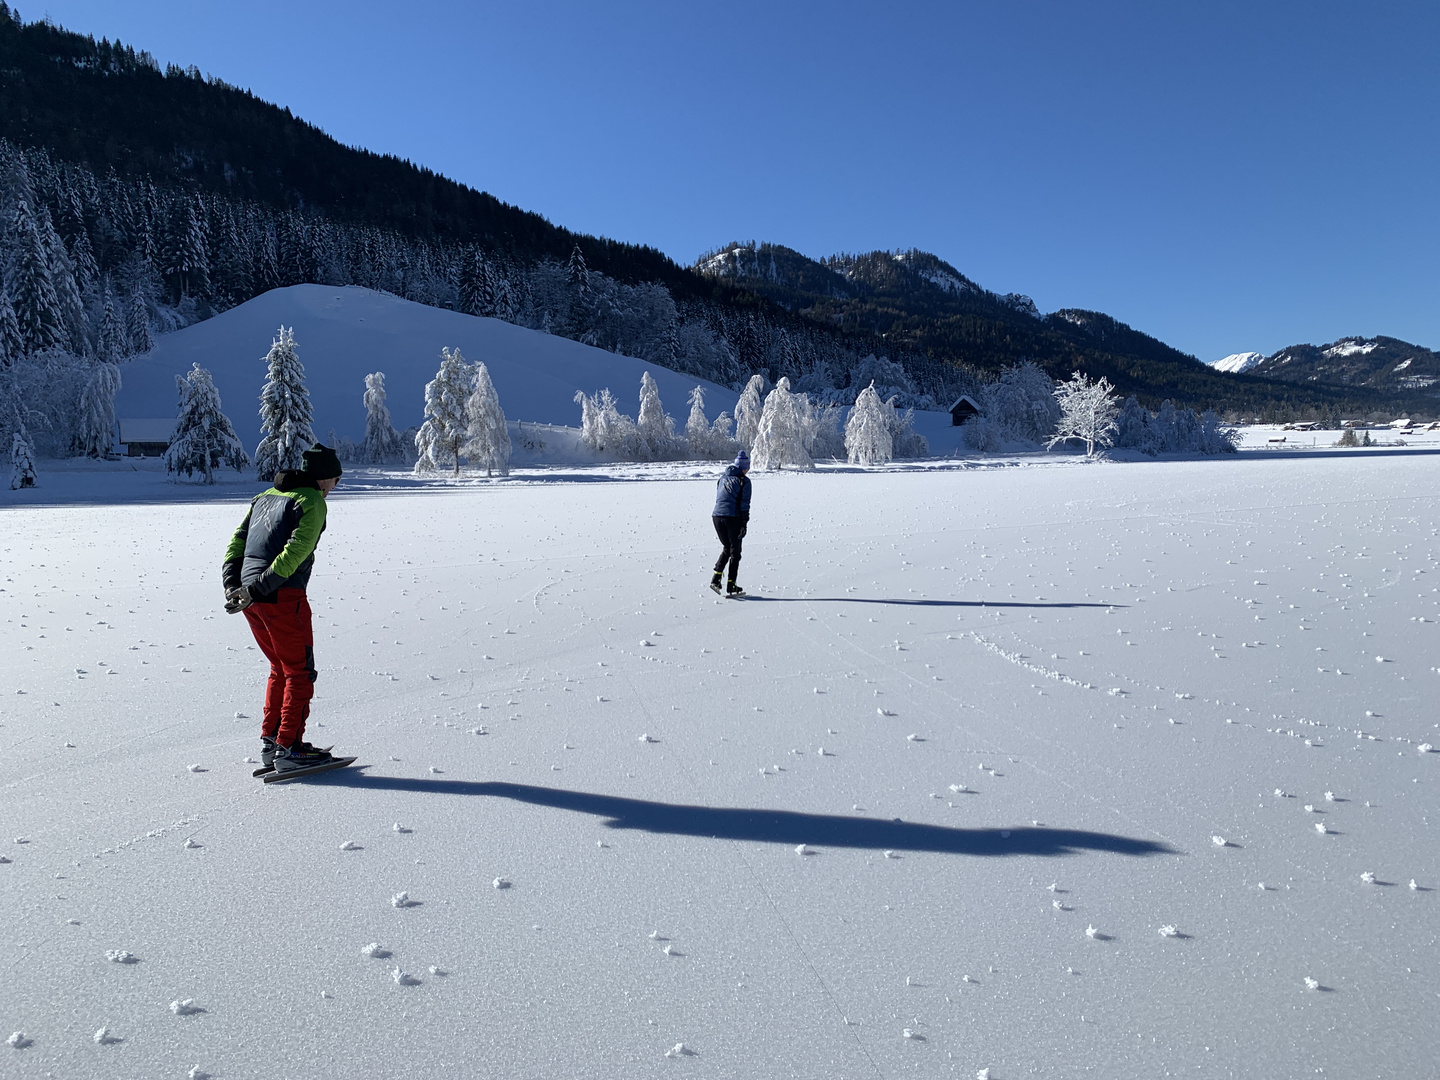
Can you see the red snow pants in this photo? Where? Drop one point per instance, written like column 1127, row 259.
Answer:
column 282, row 630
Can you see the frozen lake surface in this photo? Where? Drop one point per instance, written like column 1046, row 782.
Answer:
column 1119, row 769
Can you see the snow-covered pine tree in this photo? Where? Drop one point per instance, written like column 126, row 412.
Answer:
column 97, row 410
column 443, row 433
column 22, row 460
column 780, row 436
column 487, row 439
column 12, row 344
column 111, row 346
column 74, row 326
column 652, row 423
column 867, row 430
column 204, row 438
column 137, row 323
column 37, row 310
column 382, row 444
column 1087, row 412
column 285, row 412
column 747, row 411
column 697, row 427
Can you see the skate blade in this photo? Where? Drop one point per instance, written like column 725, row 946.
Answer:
column 295, row 774
column 271, row 768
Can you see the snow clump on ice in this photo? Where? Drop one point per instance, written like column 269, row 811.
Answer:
column 1311, row 984
column 104, row 1038
column 1169, row 931
column 185, row 1007
column 501, row 883
column 402, row 899
column 1368, row 877
column 349, row 845
column 375, row 950
column 403, row 979
column 1219, row 841
column 680, row 1050
column 18, row 1040
column 120, row 956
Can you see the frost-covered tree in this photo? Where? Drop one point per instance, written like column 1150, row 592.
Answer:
column 1214, row 437
column 1132, row 427
column 487, row 438
column 204, row 438
column 111, row 345
column 747, row 411
column 382, row 445
column 1087, row 412
column 589, row 421
column 697, row 425
column 285, row 412
column 867, row 430
column 905, row 441
column 97, row 410
column 1022, row 403
column 652, row 423
column 37, row 309
column 444, row 431
column 780, row 437
column 22, row 460
column 12, row 345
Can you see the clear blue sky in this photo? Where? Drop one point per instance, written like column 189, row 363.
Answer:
column 1224, row 175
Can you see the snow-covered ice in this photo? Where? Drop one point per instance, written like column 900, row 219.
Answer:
column 1004, row 580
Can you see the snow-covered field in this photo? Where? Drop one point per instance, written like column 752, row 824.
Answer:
column 1050, row 771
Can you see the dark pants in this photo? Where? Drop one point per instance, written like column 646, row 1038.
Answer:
column 731, row 531
column 282, row 630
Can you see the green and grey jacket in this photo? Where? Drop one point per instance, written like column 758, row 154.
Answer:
column 274, row 547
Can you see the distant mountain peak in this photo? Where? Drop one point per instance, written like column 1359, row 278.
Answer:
column 1238, row 363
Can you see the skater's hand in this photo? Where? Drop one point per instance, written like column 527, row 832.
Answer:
column 238, row 600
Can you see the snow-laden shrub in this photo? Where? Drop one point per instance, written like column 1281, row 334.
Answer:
column 905, row 441
column 22, row 460
column 1172, row 431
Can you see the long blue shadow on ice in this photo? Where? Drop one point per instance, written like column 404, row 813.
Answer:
column 770, row 826
column 753, row 598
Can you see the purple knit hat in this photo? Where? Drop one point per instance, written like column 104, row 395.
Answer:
column 742, row 460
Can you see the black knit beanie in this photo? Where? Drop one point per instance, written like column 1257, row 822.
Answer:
column 322, row 463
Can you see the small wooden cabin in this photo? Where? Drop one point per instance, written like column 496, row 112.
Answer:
column 146, row 438
column 963, row 409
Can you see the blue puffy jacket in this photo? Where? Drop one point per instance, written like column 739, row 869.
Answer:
column 732, row 495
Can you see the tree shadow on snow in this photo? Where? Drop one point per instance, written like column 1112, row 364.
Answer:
column 771, row 826
column 751, row 598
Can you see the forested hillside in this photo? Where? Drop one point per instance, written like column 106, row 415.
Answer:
column 135, row 201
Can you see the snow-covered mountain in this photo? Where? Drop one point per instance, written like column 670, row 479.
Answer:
column 1238, row 362
column 1381, row 363
column 343, row 334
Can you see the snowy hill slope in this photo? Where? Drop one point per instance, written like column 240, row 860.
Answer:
column 343, row 334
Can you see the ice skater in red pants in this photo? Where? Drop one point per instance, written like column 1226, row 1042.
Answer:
column 267, row 566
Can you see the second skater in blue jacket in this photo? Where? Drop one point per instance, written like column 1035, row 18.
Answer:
column 731, row 515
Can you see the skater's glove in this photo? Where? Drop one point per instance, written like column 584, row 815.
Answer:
column 238, row 600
